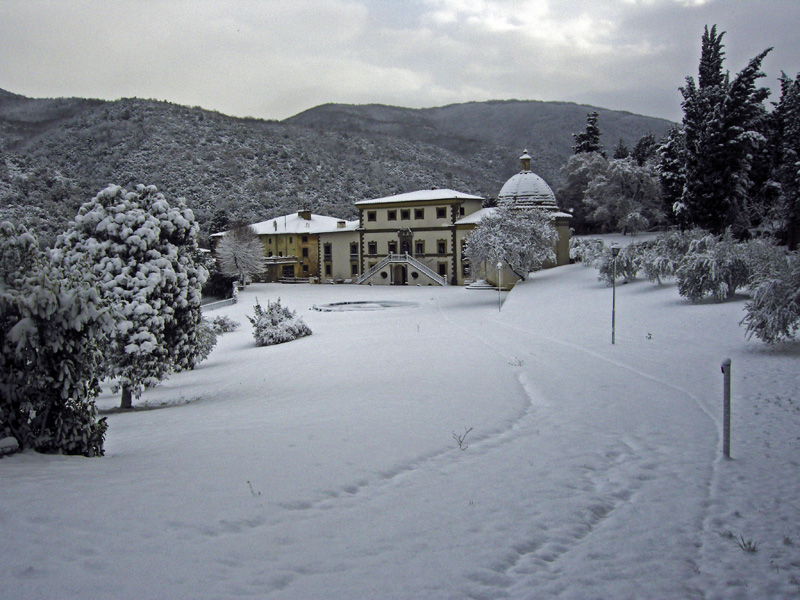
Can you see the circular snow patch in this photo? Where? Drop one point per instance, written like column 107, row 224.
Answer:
column 361, row 305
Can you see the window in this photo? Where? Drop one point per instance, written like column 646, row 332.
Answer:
column 305, row 252
column 354, row 269
column 392, row 247
column 305, row 239
column 441, row 246
column 270, row 253
column 372, row 248
column 354, row 250
column 391, row 215
column 443, row 269
column 461, row 211
column 441, row 212
column 270, row 241
column 372, row 215
column 327, row 251
column 405, row 214
column 419, row 213
column 419, row 247
column 290, row 241
column 328, row 270
column 305, row 269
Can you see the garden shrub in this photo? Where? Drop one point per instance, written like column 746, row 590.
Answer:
column 773, row 313
column 276, row 324
column 585, row 250
column 628, row 261
column 223, row 324
column 715, row 266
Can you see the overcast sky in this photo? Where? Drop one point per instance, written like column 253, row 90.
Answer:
column 274, row 58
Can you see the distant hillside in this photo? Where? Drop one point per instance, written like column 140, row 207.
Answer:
column 57, row 153
column 495, row 130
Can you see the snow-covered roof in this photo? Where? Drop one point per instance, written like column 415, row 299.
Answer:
column 475, row 217
column 421, row 195
column 295, row 223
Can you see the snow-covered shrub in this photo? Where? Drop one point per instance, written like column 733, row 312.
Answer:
column 628, row 261
column 143, row 257
column 773, row 313
column 585, row 250
column 52, row 325
column 661, row 259
column 714, row 265
column 276, row 324
column 223, row 324
column 206, row 340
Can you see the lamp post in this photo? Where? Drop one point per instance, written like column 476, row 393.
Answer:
column 614, row 253
column 499, row 285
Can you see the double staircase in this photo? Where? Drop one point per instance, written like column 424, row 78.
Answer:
column 405, row 259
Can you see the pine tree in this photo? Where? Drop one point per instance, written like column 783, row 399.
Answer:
column 588, row 140
column 141, row 253
column 671, row 164
column 787, row 158
column 621, row 150
column 645, row 149
column 52, row 327
column 723, row 126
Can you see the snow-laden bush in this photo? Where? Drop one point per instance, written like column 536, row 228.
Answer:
column 628, row 262
column 52, row 327
column 585, row 250
column 773, row 313
column 715, row 266
column 223, row 324
column 276, row 324
column 661, row 259
column 206, row 340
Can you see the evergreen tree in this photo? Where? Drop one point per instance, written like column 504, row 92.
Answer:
column 787, row 158
column 589, row 139
column 671, row 157
column 141, row 253
column 580, row 170
column 723, row 126
column 621, row 150
column 645, row 149
column 52, row 324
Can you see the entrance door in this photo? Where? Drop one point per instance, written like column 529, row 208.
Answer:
column 400, row 275
column 405, row 247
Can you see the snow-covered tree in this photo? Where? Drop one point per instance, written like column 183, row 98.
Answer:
column 52, row 324
column 645, row 149
column 523, row 238
column 671, row 164
column 588, row 140
column 240, row 253
column 581, row 169
column 627, row 196
column 787, row 159
column 714, row 265
column 141, row 253
column 723, row 125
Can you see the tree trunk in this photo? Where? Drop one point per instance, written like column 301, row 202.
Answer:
column 126, row 397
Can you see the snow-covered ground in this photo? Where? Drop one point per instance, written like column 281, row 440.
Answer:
column 327, row 467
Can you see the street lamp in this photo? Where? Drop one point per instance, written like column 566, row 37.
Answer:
column 499, row 285
column 614, row 253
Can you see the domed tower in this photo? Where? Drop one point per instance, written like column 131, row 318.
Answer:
column 526, row 189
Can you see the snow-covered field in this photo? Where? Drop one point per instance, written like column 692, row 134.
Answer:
column 327, row 467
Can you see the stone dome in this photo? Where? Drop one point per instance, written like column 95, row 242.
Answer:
column 527, row 188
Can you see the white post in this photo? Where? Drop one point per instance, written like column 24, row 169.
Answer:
column 726, row 407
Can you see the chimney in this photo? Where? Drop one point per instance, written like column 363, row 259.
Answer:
column 304, row 214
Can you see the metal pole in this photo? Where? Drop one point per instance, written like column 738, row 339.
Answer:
column 614, row 252
column 726, row 407
column 499, row 286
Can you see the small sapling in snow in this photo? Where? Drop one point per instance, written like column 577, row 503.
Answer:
column 460, row 439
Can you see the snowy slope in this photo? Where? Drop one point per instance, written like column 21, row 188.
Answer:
column 327, row 468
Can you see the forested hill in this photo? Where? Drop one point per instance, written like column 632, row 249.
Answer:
column 58, row 153
column 496, row 130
